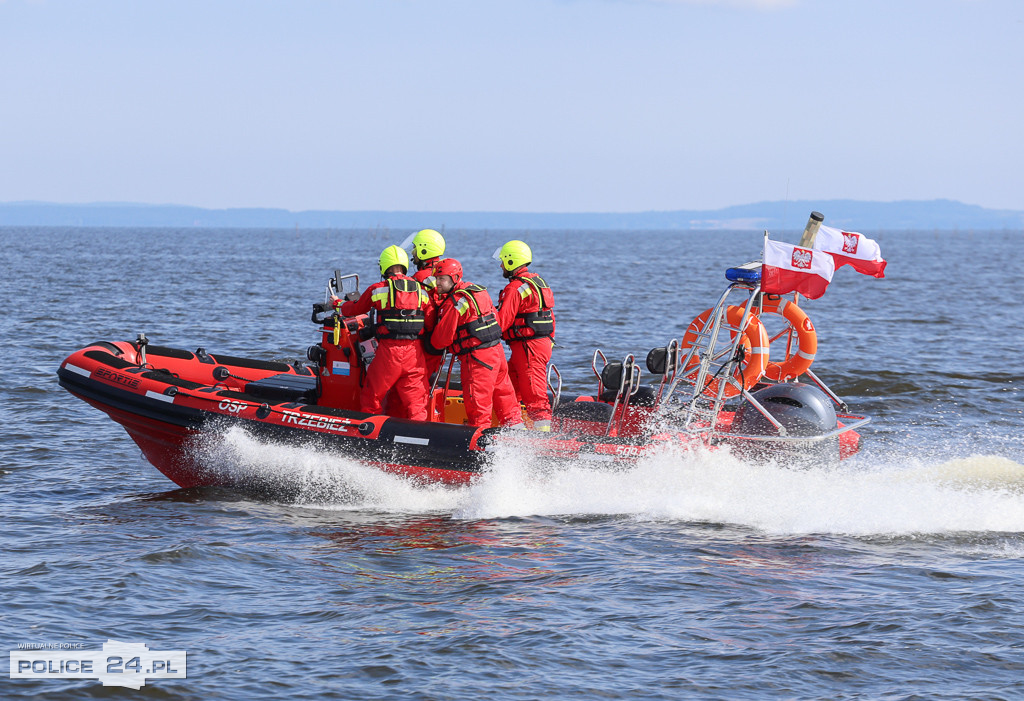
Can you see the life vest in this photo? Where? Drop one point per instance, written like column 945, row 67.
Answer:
column 482, row 331
column 535, row 324
column 399, row 311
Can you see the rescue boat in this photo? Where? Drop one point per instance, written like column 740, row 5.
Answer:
column 716, row 386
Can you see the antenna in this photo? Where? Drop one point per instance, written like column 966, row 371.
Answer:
column 785, row 206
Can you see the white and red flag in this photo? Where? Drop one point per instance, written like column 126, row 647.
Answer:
column 789, row 268
column 851, row 248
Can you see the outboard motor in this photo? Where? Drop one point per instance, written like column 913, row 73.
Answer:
column 804, row 410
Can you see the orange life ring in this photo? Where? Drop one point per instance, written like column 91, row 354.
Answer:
column 755, row 344
column 801, row 357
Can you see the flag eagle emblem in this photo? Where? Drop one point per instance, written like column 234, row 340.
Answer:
column 850, row 243
column 802, row 258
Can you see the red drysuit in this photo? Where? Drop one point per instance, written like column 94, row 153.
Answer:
column 525, row 314
column 399, row 360
column 466, row 327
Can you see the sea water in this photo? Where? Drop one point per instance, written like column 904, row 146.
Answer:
column 691, row 575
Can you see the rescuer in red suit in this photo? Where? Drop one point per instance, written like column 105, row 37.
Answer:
column 427, row 249
column 526, row 316
column 467, row 327
column 400, row 309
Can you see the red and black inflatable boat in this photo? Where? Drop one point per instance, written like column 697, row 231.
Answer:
column 165, row 398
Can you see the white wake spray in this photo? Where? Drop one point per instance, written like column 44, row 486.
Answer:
column 982, row 493
column 902, row 496
column 310, row 476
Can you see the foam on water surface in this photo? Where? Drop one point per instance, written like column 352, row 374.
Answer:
column 900, row 496
column 309, row 476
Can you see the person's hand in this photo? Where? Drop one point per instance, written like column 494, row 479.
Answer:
column 335, row 302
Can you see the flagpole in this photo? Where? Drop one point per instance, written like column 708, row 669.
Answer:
column 811, row 230
column 764, row 250
column 807, row 240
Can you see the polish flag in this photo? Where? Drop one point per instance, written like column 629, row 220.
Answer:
column 789, row 268
column 851, row 248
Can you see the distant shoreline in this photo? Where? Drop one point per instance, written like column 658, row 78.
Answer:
column 774, row 216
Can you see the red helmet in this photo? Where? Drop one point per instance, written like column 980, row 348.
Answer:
column 450, row 267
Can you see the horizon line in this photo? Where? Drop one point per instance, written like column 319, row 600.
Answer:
column 113, row 203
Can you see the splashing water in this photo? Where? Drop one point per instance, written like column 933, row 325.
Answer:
column 310, row 476
column 976, row 494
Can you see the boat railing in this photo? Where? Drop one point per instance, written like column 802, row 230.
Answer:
column 437, row 375
column 336, row 285
column 707, row 360
column 628, row 381
column 598, row 353
column 665, row 362
column 554, row 381
column 857, row 422
column 824, row 388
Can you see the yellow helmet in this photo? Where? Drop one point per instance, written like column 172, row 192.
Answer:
column 514, row 255
column 427, row 244
column 393, row 255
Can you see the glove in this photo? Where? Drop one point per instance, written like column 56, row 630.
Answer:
column 352, row 297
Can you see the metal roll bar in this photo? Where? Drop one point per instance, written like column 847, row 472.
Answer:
column 556, row 390
column 629, row 384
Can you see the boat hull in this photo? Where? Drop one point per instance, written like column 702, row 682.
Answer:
column 169, row 400
column 166, row 414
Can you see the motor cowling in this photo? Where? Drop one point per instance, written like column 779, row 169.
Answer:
column 804, row 410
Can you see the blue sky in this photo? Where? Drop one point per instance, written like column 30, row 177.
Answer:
column 511, row 105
